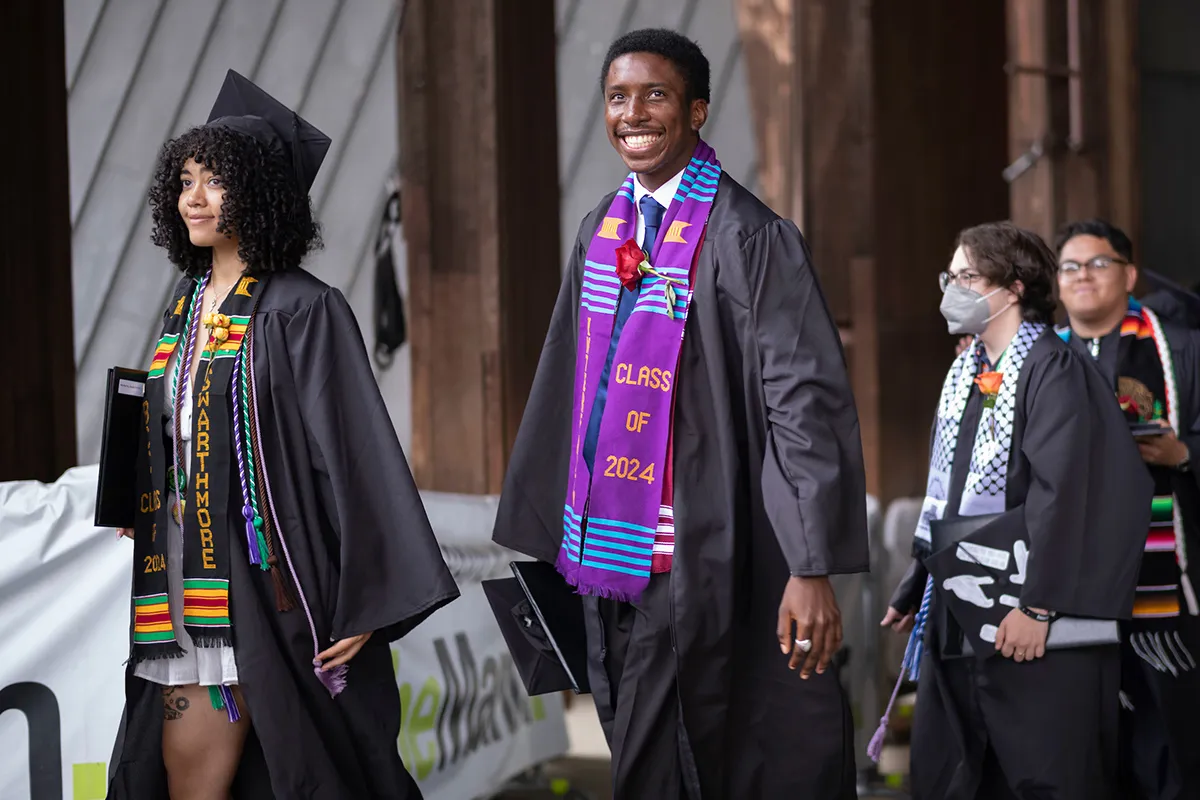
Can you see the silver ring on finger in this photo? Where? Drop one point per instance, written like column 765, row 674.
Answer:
column 805, row 645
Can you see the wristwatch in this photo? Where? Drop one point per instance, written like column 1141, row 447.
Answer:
column 1186, row 464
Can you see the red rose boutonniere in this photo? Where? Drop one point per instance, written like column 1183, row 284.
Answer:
column 632, row 264
column 989, row 385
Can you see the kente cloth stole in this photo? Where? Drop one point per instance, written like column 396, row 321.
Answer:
column 203, row 485
column 1147, row 391
column 610, row 518
column 987, row 477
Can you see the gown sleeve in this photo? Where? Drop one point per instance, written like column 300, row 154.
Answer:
column 1087, row 505
column 814, row 486
column 529, row 517
column 392, row 572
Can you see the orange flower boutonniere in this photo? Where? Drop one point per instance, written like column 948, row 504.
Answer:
column 989, row 385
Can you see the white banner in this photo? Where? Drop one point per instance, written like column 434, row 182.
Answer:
column 468, row 725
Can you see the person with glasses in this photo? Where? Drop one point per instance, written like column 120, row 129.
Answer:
column 1152, row 366
column 1026, row 437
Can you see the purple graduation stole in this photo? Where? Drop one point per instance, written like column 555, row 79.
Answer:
column 609, row 519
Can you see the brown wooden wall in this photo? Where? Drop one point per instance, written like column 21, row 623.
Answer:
column 37, row 400
column 1073, row 91
column 894, row 140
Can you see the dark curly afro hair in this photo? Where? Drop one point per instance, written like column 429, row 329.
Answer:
column 263, row 206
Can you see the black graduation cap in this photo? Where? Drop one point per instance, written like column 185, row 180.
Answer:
column 1172, row 301
column 244, row 107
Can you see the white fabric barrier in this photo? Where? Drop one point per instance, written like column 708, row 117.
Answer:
column 468, row 725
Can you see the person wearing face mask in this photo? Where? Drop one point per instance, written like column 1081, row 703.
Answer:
column 1152, row 366
column 1025, row 429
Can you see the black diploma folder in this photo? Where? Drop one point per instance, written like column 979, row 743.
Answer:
column 996, row 533
column 541, row 617
column 116, row 489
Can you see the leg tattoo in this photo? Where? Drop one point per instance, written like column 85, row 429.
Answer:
column 173, row 707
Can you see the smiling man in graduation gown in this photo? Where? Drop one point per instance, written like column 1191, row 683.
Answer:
column 1025, row 428
column 1152, row 366
column 690, row 459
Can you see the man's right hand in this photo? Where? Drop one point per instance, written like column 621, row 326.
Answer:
column 900, row 623
column 127, row 532
column 963, row 343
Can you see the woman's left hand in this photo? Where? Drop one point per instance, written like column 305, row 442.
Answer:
column 342, row 651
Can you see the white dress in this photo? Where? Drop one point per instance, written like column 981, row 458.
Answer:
column 206, row 666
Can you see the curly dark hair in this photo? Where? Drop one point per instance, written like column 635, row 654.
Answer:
column 685, row 54
column 263, row 206
column 1004, row 254
column 1101, row 229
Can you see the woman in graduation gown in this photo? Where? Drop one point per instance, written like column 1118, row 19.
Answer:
column 280, row 543
column 1023, row 423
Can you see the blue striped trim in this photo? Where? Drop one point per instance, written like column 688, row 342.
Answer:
column 592, row 286
column 604, row 269
column 660, row 309
column 704, row 166
column 614, row 568
column 616, row 523
column 700, row 188
column 599, row 309
column 627, row 194
column 616, row 557
column 674, row 272
column 600, row 300
column 696, row 197
column 617, row 547
column 707, row 181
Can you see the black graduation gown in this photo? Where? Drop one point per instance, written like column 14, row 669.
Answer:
column 1160, row 745
column 768, row 480
column 998, row 728
column 363, row 549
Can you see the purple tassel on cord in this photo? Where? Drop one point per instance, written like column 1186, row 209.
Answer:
column 231, row 708
column 251, row 534
column 875, row 746
column 334, row 680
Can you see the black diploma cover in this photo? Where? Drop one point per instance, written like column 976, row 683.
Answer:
column 116, row 489
column 541, row 617
column 984, row 558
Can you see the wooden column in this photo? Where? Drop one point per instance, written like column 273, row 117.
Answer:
column 479, row 172
column 1073, row 112
column 37, row 403
column 894, row 120
column 939, row 140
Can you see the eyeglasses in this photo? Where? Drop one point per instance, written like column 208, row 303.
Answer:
column 963, row 279
column 1073, row 269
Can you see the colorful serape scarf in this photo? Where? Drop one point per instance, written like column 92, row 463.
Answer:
column 1147, row 392
column 610, row 519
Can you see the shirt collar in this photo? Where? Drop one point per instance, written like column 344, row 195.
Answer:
column 663, row 195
